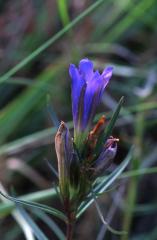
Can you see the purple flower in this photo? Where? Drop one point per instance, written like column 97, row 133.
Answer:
column 87, row 89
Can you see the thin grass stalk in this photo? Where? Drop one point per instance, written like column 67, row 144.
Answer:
column 133, row 185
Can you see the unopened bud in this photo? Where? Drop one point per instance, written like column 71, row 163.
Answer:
column 106, row 156
column 64, row 151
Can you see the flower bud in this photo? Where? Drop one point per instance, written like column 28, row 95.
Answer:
column 64, row 151
column 106, row 156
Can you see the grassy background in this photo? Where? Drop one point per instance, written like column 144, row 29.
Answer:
column 38, row 40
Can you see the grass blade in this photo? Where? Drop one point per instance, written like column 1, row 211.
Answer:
column 63, row 11
column 50, row 41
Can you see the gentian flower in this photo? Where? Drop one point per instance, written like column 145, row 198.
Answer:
column 87, row 89
column 84, row 157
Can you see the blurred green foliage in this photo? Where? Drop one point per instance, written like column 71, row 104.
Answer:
column 38, row 40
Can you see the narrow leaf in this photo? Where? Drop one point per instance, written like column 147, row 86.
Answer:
column 43, row 207
column 35, row 229
column 114, row 117
column 108, row 130
column 105, row 183
column 49, row 222
column 112, row 230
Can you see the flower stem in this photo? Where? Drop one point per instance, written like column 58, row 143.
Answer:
column 69, row 230
column 71, row 217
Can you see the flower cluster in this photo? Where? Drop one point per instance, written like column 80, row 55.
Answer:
column 82, row 158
